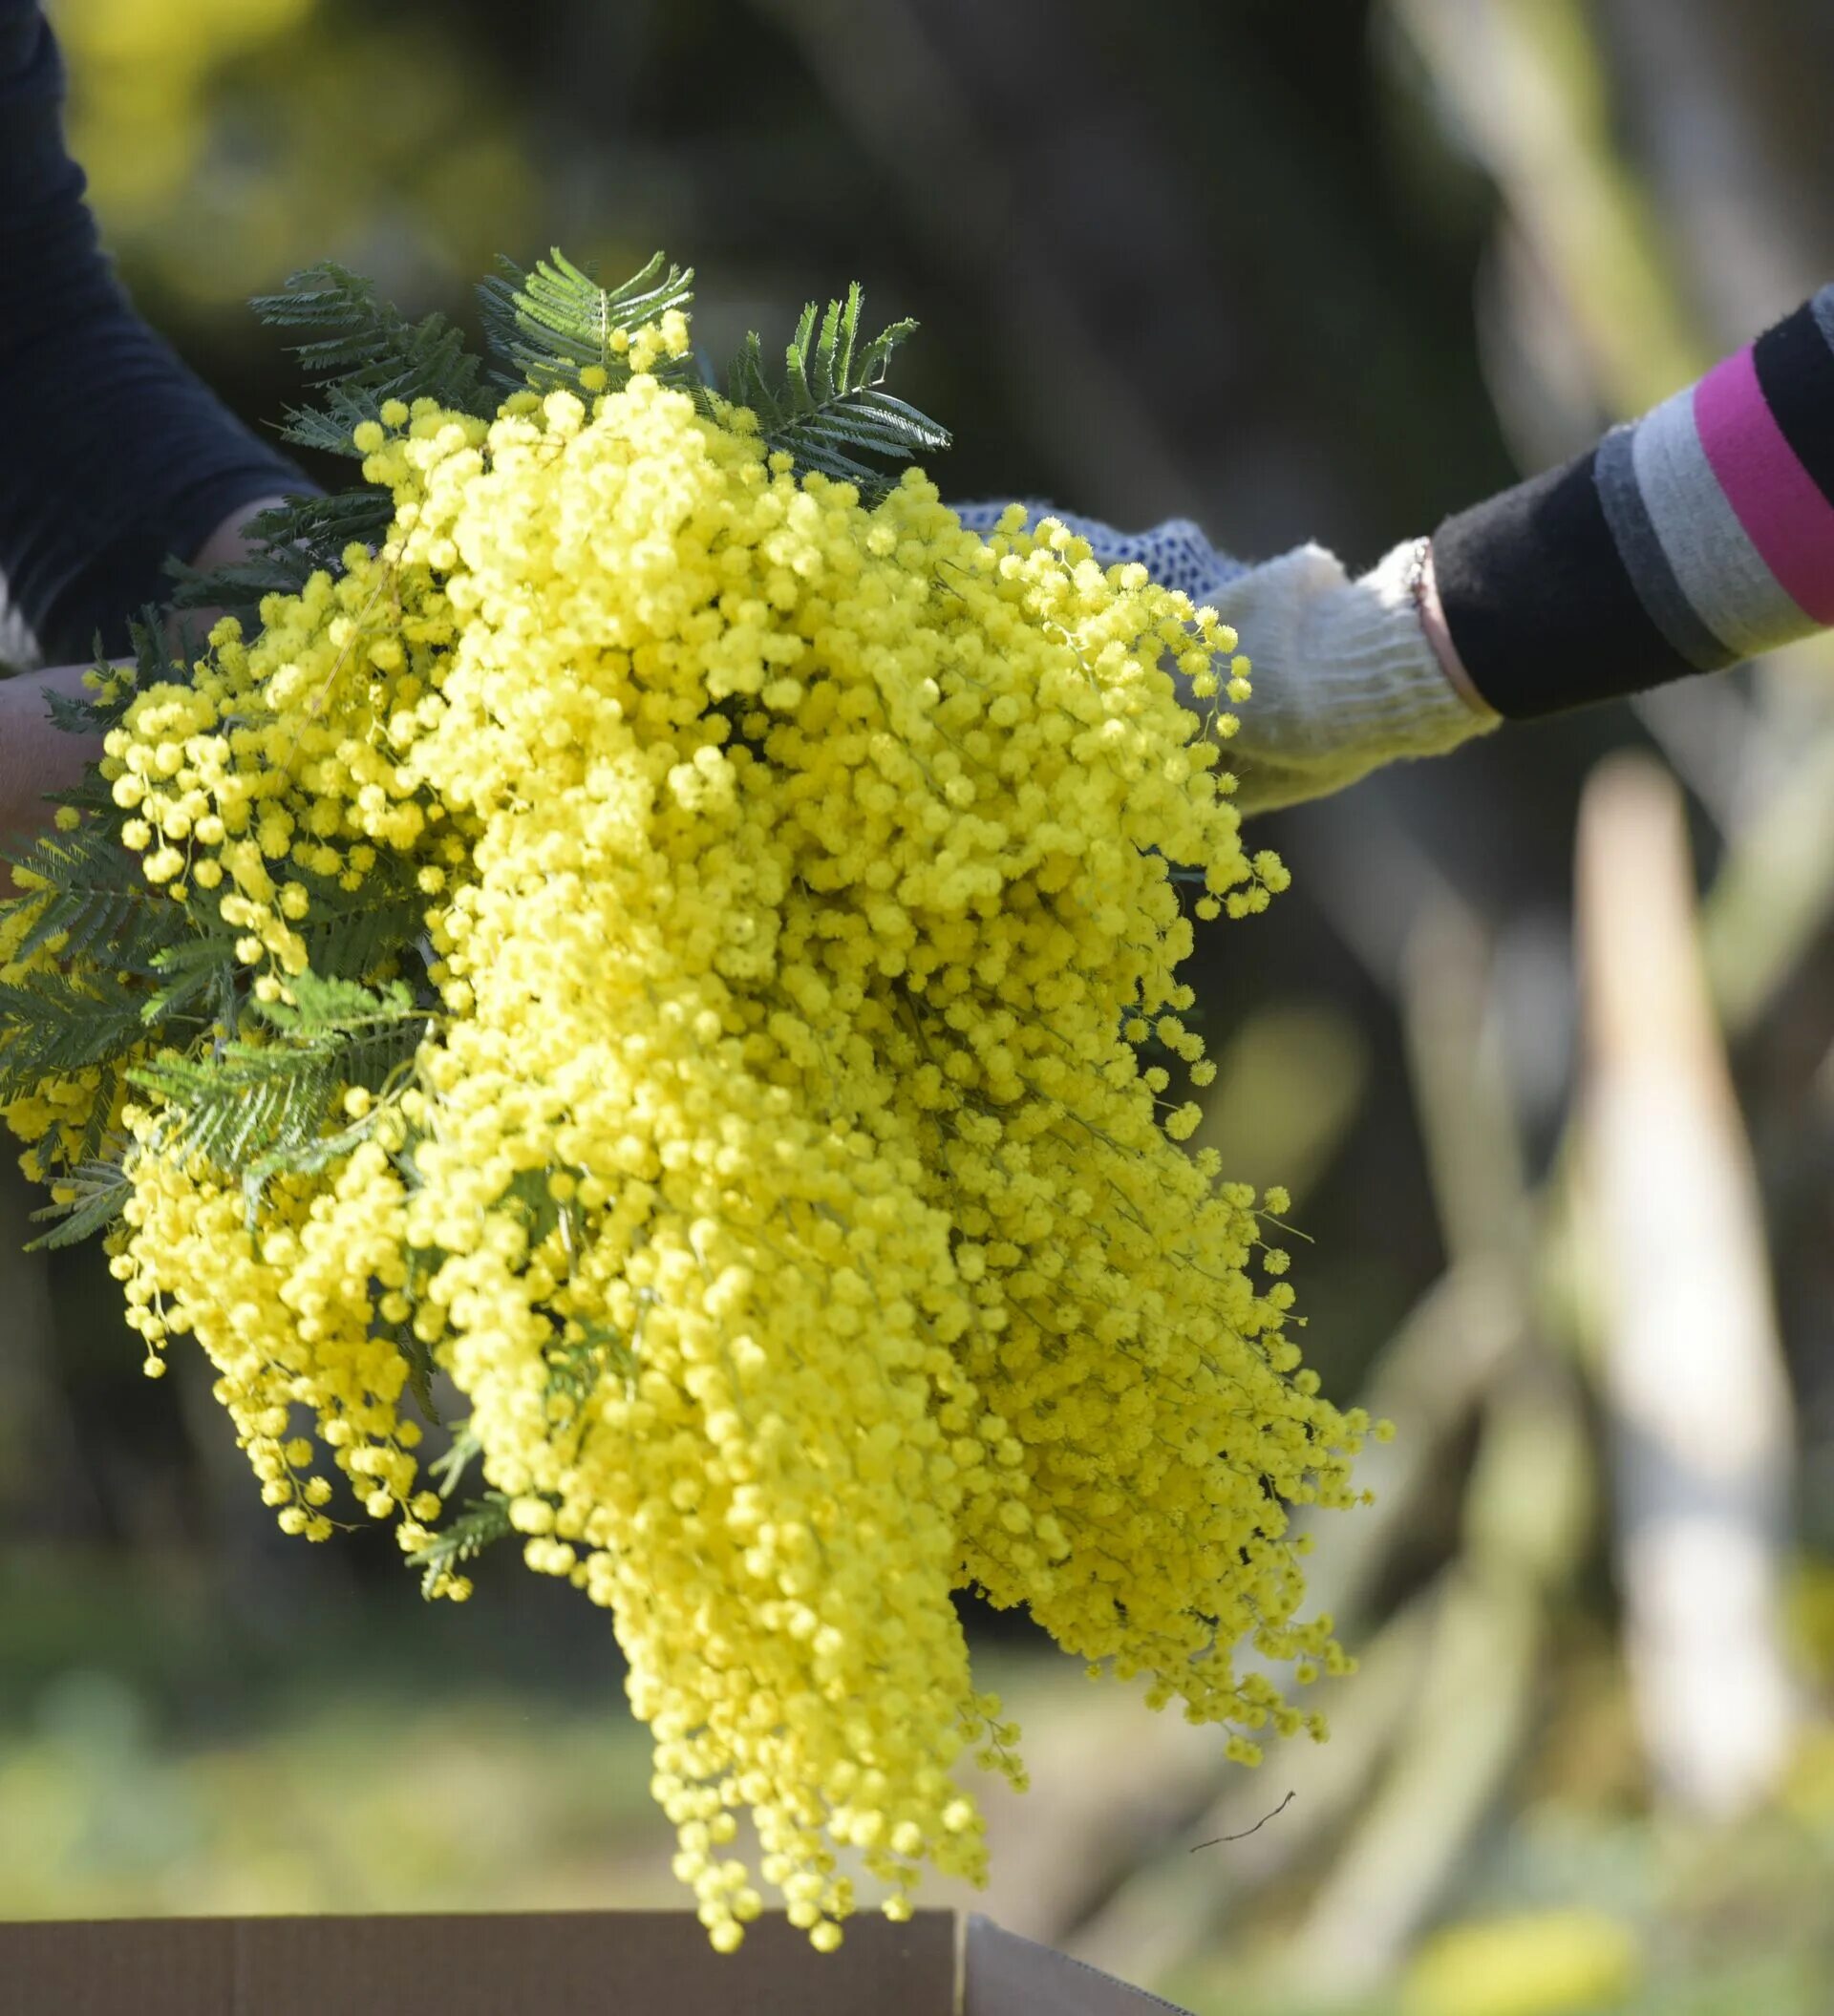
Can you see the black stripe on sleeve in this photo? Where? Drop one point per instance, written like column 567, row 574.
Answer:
column 1795, row 365
column 1538, row 602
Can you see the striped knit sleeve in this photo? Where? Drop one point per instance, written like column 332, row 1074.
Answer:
column 1694, row 538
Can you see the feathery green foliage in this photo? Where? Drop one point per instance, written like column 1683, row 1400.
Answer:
column 260, row 1109
column 362, row 351
column 483, row 1523
column 200, row 974
column 357, row 933
column 575, row 1365
column 57, row 1028
column 544, row 327
column 97, row 897
column 98, row 1189
column 464, row 1448
column 290, row 541
column 829, row 411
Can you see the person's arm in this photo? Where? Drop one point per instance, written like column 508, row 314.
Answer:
column 39, row 759
column 1345, row 674
column 1684, row 542
column 115, row 454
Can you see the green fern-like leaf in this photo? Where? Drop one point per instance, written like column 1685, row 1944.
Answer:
column 92, row 1145
column 464, row 1449
column 291, row 540
column 88, row 713
column 324, row 525
column 546, row 325
column 95, row 894
column 74, row 713
column 481, row 1524
column 420, row 1370
column 239, row 586
column 240, row 1104
column 310, row 1155
column 364, row 350
column 528, row 1192
column 200, row 975
column 53, row 1028
column 97, row 910
column 261, row 1106
column 329, row 426
column 578, row 1360
column 829, row 411
column 100, row 1189
column 331, row 1005
column 355, row 932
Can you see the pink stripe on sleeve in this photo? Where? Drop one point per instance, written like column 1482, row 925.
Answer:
column 1774, row 498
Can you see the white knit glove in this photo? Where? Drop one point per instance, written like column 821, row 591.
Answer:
column 1344, row 677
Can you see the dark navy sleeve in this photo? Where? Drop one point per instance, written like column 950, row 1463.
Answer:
column 113, row 455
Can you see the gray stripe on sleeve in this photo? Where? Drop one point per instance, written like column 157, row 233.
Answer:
column 1716, row 566
column 1615, row 471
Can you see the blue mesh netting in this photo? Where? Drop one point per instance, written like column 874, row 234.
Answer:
column 1174, row 553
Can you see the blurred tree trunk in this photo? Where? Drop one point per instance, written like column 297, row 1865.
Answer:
column 1699, row 1403
column 1526, row 1527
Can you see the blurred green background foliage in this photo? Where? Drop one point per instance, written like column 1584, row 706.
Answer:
column 1326, row 272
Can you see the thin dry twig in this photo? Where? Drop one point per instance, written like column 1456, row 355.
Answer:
column 1243, row 1835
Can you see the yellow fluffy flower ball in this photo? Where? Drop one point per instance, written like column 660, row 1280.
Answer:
column 789, row 1177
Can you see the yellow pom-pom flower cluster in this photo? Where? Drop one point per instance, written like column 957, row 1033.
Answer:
column 790, row 1176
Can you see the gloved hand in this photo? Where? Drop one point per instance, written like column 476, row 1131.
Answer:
column 1344, row 676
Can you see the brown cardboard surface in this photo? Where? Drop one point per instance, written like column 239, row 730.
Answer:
column 1006, row 1975
column 585, row 1963
column 573, row 1964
